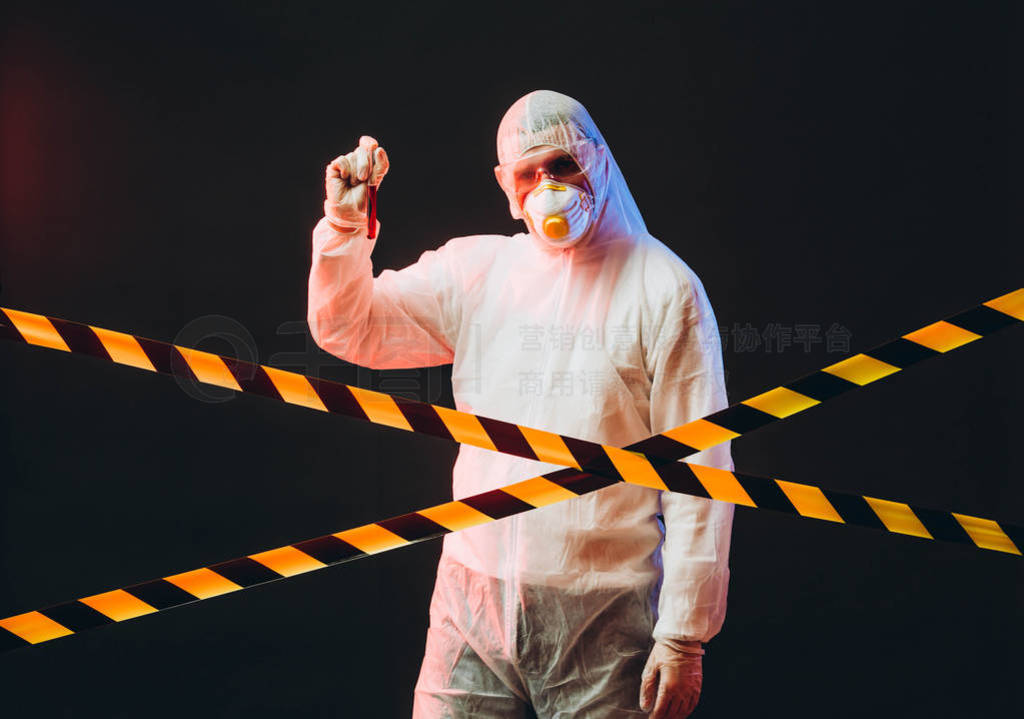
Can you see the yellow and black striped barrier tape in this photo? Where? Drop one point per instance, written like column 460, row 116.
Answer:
column 596, row 466
column 401, row 413
column 301, row 557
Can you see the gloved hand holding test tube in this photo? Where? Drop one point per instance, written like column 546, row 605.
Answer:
column 351, row 188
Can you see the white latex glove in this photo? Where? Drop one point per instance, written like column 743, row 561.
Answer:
column 345, row 184
column 671, row 680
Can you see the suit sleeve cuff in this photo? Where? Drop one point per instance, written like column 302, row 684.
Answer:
column 334, row 239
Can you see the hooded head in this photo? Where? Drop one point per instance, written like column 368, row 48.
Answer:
column 544, row 118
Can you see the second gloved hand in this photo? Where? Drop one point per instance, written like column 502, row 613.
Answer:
column 345, row 184
column 671, row 680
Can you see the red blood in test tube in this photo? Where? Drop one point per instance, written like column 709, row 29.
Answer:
column 371, row 217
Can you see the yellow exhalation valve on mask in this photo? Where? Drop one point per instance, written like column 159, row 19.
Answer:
column 555, row 227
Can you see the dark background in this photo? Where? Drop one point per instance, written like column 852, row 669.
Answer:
column 162, row 171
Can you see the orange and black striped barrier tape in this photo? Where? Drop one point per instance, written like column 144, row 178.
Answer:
column 595, row 466
column 301, row 557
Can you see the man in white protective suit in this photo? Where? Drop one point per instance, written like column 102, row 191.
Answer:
column 587, row 326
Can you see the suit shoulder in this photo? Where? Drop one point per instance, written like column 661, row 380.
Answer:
column 477, row 243
column 473, row 250
column 667, row 275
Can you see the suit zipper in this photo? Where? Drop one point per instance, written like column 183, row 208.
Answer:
column 511, row 595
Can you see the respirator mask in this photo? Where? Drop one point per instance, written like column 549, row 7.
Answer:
column 559, row 213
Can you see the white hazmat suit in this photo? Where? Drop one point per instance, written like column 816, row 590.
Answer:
column 611, row 339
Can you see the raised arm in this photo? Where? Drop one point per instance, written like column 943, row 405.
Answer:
column 404, row 318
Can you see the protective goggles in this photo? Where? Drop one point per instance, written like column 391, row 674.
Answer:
column 571, row 166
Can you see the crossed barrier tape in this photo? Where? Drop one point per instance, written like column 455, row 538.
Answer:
column 594, row 465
